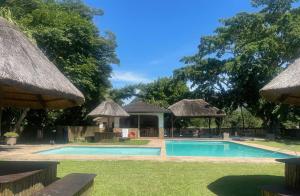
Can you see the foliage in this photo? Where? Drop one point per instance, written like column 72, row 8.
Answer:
column 64, row 30
column 11, row 134
column 244, row 54
column 234, row 120
column 164, row 92
column 127, row 92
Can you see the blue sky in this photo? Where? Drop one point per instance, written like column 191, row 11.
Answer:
column 153, row 35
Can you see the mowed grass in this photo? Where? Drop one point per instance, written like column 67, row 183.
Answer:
column 293, row 145
column 109, row 142
column 118, row 178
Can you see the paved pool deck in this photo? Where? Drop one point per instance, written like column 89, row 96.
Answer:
column 29, row 152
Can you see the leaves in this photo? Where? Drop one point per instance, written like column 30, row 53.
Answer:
column 244, row 54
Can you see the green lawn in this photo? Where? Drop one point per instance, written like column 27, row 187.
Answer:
column 283, row 144
column 127, row 142
column 176, row 178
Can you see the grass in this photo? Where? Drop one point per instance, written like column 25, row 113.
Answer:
column 283, row 144
column 126, row 142
column 118, row 178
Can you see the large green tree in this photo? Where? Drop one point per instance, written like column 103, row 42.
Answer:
column 65, row 32
column 244, row 54
column 163, row 92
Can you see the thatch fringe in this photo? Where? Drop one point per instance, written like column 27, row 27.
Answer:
column 28, row 78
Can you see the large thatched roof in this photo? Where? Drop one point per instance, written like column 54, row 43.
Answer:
column 195, row 108
column 285, row 87
column 142, row 107
column 28, row 78
column 108, row 108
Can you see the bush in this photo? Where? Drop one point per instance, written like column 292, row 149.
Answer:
column 11, row 134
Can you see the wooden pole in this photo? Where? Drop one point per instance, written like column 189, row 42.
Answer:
column 139, row 126
column 172, row 129
column 1, row 111
column 209, row 126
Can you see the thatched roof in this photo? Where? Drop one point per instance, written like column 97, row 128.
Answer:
column 142, row 107
column 28, row 78
column 195, row 108
column 109, row 109
column 285, row 88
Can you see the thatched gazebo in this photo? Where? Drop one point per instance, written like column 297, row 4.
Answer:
column 285, row 88
column 194, row 108
column 28, row 79
column 108, row 109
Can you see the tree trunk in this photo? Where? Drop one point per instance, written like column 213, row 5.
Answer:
column 21, row 118
column 1, row 111
column 243, row 119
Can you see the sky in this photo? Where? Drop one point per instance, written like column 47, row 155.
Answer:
column 153, row 35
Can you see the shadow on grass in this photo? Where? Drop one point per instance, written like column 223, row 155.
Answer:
column 243, row 185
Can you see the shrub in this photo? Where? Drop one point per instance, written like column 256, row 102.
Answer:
column 11, row 134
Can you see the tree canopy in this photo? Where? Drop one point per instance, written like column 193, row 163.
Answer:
column 244, row 54
column 65, row 32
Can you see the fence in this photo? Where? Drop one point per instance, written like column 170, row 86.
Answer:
column 247, row 132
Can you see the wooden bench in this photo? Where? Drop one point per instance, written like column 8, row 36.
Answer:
column 25, row 177
column 273, row 190
column 71, row 185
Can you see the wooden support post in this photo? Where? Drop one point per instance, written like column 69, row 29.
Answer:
column 139, row 127
column 1, row 112
column 209, row 121
column 172, row 129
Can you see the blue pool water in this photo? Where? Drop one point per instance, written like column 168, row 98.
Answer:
column 218, row 149
column 121, row 151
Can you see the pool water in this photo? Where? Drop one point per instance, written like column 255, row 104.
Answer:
column 218, row 149
column 120, row 151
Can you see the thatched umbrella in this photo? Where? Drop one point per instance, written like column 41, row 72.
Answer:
column 108, row 109
column 195, row 108
column 285, row 88
column 27, row 78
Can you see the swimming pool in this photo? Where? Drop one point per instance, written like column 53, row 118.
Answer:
column 218, row 149
column 115, row 151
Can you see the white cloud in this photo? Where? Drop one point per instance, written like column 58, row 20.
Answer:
column 129, row 77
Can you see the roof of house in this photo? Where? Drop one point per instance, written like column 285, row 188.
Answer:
column 28, row 78
column 285, row 88
column 108, row 108
column 143, row 107
column 195, row 108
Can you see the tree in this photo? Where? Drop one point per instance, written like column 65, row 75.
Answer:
column 65, row 32
column 244, row 54
column 164, row 91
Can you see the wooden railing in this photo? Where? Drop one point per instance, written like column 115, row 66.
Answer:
column 148, row 132
column 99, row 136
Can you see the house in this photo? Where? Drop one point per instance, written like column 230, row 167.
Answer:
column 145, row 120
